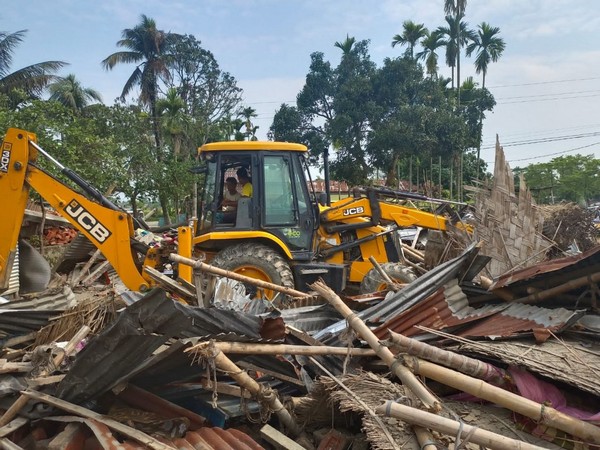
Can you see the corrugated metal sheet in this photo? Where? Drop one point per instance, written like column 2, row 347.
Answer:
column 310, row 318
column 13, row 282
column 518, row 318
column 129, row 343
column 587, row 262
column 417, row 291
column 449, row 307
column 446, row 308
column 17, row 322
column 58, row 302
column 79, row 250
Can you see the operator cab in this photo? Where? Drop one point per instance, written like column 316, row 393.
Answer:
column 282, row 203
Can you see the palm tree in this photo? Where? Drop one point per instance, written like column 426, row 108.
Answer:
column 456, row 35
column 171, row 110
column 146, row 47
column 346, row 45
column 430, row 43
column 31, row 80
column 456, row 7
column 69, row 92
column 489, row 48
column 411, row 33
column 247, row 114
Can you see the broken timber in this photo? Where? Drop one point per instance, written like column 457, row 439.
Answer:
column 207, row 350
column 236, row 276
column 469, row 433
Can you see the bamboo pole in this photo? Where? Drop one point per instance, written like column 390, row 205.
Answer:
column 541, row 413
column 406, row 376
column 236, row 276
column 391, row 283
column 451, row 427
column 413, row 252
column 248, row 348
column 244, row 380
column 58, row 359
column 560, row 289
column 464, row 364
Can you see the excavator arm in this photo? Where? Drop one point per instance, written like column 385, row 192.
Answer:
column 374, row 211
column 109, row 228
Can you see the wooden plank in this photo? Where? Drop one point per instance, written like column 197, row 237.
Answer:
column 15, row 367
column 171, row 285
column 134, row 434
column 44, row 381
column 278, row 439
column 12, row 426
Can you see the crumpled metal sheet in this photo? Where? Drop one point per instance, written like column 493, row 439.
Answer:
column 142, row 328
column 418, row 290
column 445, row 308
column 547, row 272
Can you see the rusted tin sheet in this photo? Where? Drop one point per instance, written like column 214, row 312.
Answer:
column 446, row 308
column 586, row 262
column 518, row 319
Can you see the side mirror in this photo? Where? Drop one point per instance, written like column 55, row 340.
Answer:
column 199, row 169
column 322, row 199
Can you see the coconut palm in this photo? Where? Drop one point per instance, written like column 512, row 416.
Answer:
column 31, row 80
column 72, row 94
column 489, row 48
column 147, row 47
column 411, row 34
column 430, row 43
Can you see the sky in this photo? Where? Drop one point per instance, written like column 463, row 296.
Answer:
column 546, row 84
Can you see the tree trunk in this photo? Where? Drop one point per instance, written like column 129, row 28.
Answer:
column 164, row 205
column 391, row 177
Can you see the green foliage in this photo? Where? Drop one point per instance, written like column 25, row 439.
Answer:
column 374, row 118
column 572, row 178
column 211, row 96
column 27, row 83
column 371, row 119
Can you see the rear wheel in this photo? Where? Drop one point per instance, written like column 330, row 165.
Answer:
column 259, row 262
column 373, row 281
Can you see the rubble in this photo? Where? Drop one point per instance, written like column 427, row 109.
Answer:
column 492, row 346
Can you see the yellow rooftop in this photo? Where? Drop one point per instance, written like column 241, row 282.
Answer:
column 252, row 145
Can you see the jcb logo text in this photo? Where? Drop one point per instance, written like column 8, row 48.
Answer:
column 353, row 211
column 87, row 221
column 4, row 160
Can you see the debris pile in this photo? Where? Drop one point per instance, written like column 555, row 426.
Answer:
column 493, row 345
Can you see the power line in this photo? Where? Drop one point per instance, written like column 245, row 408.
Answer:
column 544, row 82
column 545, row 95
column 552, row 154
column 548, row 99
column 545, row 140
column 492, row 142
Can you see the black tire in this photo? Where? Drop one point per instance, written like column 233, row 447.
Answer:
column 257, row 261
column 373, row 281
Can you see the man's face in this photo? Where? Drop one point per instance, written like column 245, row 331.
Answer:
column 231, row 187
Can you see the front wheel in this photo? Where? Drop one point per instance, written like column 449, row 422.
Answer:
column 259, row 262
column 374, row 282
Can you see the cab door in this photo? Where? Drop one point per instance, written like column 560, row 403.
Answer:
column 287, row 211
